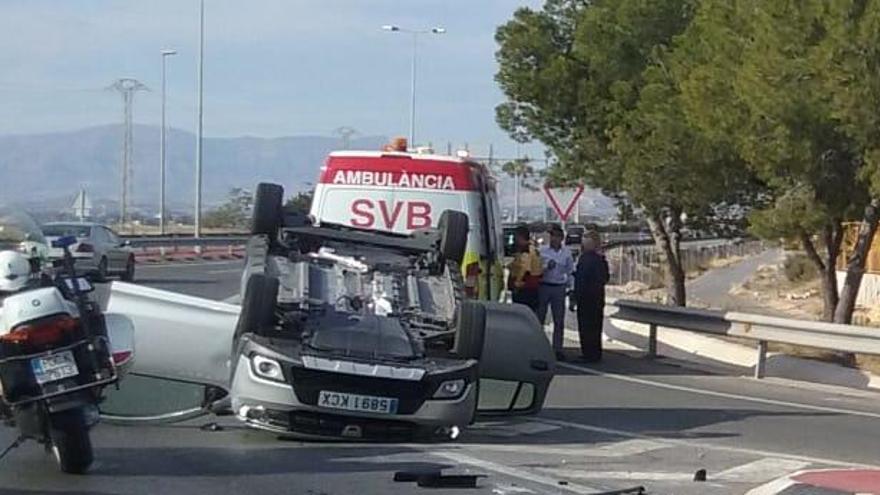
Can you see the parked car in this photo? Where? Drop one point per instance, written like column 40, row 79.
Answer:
column 98, row 251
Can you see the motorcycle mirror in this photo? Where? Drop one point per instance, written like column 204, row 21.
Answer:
column 63, row 242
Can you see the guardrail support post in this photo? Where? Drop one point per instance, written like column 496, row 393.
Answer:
column 652, row 341
column 762, row 359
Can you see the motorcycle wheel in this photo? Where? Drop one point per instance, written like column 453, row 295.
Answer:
column 69, row 433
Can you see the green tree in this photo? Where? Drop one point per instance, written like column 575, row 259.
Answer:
column 590, row 81
column 301, row 203
column 235, row 213
column 767, row 78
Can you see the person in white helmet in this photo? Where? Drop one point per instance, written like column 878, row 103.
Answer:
column 15, row 276
column 15, row 272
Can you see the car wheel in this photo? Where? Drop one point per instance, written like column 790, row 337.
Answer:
column 471, row 334
column 453, row 226
column 128, row 274
column 101, row 274
column 267, row 210
column 257, row 306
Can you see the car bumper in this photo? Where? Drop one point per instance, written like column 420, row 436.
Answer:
column 281, row 408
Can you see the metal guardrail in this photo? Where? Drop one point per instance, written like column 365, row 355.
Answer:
column 185, row 241
column 758, row 328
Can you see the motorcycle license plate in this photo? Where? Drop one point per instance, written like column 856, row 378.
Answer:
column 54, row 367
column 353, row 402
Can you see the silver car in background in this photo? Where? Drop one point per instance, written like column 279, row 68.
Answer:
column 99, row 251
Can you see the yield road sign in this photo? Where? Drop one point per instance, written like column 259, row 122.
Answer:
column 563, row 199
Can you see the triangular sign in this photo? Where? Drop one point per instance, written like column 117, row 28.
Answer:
column 563, row 199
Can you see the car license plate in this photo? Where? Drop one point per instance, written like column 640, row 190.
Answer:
column 353, row 402
column 54, row 367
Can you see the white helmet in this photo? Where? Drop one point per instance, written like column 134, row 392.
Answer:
column 15, row 271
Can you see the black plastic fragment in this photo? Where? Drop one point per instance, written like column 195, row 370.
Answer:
column 700, row 475
column 439, row 480
column 413, row 476
column 211, row 427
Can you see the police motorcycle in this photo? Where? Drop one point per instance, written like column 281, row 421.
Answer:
column 57, row 349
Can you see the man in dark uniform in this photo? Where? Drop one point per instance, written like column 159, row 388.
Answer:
column 590, row 278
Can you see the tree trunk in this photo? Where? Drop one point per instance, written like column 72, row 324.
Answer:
column 827, row 276
column 855, row 265
column 667, row 237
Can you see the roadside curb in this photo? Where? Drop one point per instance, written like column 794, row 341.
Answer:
column 778, row 365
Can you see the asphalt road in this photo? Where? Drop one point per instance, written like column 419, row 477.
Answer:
column 627, row 422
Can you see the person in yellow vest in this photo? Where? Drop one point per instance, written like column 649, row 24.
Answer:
column 525, row 270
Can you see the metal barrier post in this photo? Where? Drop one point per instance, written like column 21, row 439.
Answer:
column 762, row 359
column 652, row 341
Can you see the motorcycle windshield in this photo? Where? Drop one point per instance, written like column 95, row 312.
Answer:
column 19, row 232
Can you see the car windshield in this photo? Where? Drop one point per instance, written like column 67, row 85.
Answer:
column 17, row 227
column 62, row 230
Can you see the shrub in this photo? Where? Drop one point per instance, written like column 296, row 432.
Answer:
column 799, row 268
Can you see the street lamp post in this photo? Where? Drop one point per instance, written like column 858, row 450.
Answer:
column 165, row 55
column 415, row 40
column 198, row 200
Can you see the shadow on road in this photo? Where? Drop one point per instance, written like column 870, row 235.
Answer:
column 232, row 462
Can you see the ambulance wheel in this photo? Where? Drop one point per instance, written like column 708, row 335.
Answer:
column 471, row 332
column 453, row 228
column 267, row 210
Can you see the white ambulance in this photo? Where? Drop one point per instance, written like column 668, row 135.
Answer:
column 398, row 191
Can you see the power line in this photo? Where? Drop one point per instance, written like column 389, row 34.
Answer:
column 126, row 87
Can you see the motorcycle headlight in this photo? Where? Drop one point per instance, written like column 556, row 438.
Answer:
column 450, row 389
column 267, row 368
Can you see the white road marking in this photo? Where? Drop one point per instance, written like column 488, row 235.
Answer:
column 231, row 270
column 617, row 475
column 707, row 446
column 515, row 472
column 714, row 393
column 508, row 489
column 576, row 450
column 774, row 487
column 178, row 265
column 761, row 470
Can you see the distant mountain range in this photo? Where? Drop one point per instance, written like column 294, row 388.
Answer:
column 47, row 170
column 44, row 172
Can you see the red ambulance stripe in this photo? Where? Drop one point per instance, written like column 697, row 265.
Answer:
column 389, row 171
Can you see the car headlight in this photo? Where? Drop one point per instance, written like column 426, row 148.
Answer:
column 267, row 368
column 450, row 389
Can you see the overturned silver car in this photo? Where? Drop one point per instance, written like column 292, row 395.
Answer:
column 349, row 333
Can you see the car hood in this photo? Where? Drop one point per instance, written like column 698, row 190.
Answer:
column 356, row 335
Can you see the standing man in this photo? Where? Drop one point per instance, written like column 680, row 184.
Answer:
column 558, row 267
column 589, row 294
column 525, row 270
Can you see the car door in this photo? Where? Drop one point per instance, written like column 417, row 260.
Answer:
column 517, row 364
column 117, row 253
column 182, row 348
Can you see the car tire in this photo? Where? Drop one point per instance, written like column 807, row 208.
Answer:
column 128, row 274
column 453, row 227
column 257, row 306
column 471, row 334
column 101, row 274
column 267, row 216
column 71, row 444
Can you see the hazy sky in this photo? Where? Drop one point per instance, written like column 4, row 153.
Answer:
column 272, row 67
